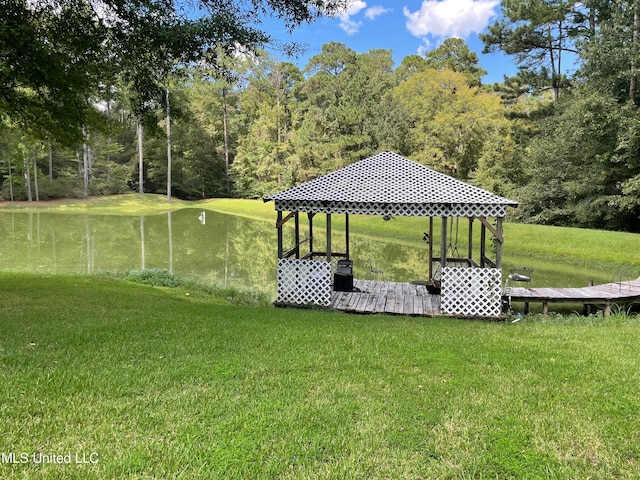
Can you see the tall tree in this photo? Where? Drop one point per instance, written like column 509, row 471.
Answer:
column 580, row 164
column 540, row 34
column 611, row 56
column 264, row 160
column 451, row 123
column 56, row 55
column 342, row 105
column 454, row 54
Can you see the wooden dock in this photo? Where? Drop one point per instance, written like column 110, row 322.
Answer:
column 394, row 298
column 372, row 296
column 608, row 294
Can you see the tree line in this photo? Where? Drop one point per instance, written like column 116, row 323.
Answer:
column 561, row 136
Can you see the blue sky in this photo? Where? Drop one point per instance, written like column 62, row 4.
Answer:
column 404, row 26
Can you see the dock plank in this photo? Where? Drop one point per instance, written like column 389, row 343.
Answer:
column 606, row 294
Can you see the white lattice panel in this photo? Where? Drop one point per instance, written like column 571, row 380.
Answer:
column 304, row 282
column 398, row 210
column 471, row 292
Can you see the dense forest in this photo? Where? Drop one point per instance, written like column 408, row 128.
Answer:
column 562, row 136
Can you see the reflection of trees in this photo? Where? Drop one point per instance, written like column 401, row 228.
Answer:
column 253, row 250
column 228, row 250
column 399, row 263
column 170, row 240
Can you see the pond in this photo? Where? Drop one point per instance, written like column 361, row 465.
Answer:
column 221, row 249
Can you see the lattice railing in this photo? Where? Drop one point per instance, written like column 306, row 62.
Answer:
column 304, row 282
column 471, row 292
column 404, row 209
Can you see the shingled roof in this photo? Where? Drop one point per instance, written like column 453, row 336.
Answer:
column 390, row 184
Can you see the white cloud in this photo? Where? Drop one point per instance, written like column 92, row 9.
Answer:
column 350, row 26
column 375, row 11
column 425, row 47
column 449, row 18
column 353, row 8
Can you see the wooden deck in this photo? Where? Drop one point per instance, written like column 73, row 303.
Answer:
column 608, row 294
column 372, row 296
column 394, row 298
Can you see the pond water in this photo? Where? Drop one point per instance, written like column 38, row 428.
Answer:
column 224, row 250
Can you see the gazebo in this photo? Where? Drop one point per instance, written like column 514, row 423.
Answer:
column 390, row 185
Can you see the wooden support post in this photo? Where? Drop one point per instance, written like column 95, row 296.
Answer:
column 297, row 233
column 346, row 229
column 483, row 244
column 586, row 309
column 443, row 247
column 329, row 237
column 431, row 249
column 470, row 249
column 310, row 217
column 279, row 227
column 545, row 308
column 499, row 240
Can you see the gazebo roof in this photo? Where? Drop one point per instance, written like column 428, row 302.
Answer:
column 389, row 184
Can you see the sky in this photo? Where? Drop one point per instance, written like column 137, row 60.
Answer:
column 406, row 27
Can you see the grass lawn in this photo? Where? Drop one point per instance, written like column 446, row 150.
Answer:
column 156, row 383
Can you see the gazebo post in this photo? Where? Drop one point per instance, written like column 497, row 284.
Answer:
column 279, row 227
column 297, row 233
column 443, row 246
column 310, row 217
column 470, row 250
column 430, row 239
column 499, row 243
column 329, row 237
column 346, row 229
column 483, row 245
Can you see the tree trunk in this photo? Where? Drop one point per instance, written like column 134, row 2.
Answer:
column 140, row 161
column 50, row 161
column 633, row 83
column 35, row 179
column 554, row 73
column 85, row 167
column 10, row 179
column 226, row 141
column 28, row 178
column 168, row 148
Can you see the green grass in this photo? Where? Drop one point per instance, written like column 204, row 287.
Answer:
column 127, row 204
column 164, row 385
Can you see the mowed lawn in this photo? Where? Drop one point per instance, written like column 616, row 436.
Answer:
column 147, row 382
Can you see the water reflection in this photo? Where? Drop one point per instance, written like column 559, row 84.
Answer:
column 224, row 250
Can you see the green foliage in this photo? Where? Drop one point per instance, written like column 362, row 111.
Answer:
column 454, row 54
column 452, row 123
column 158, row 277
column 155, row 277
column 251, row 125
column 58, row 57
column 576, row 167
column 539, row 34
